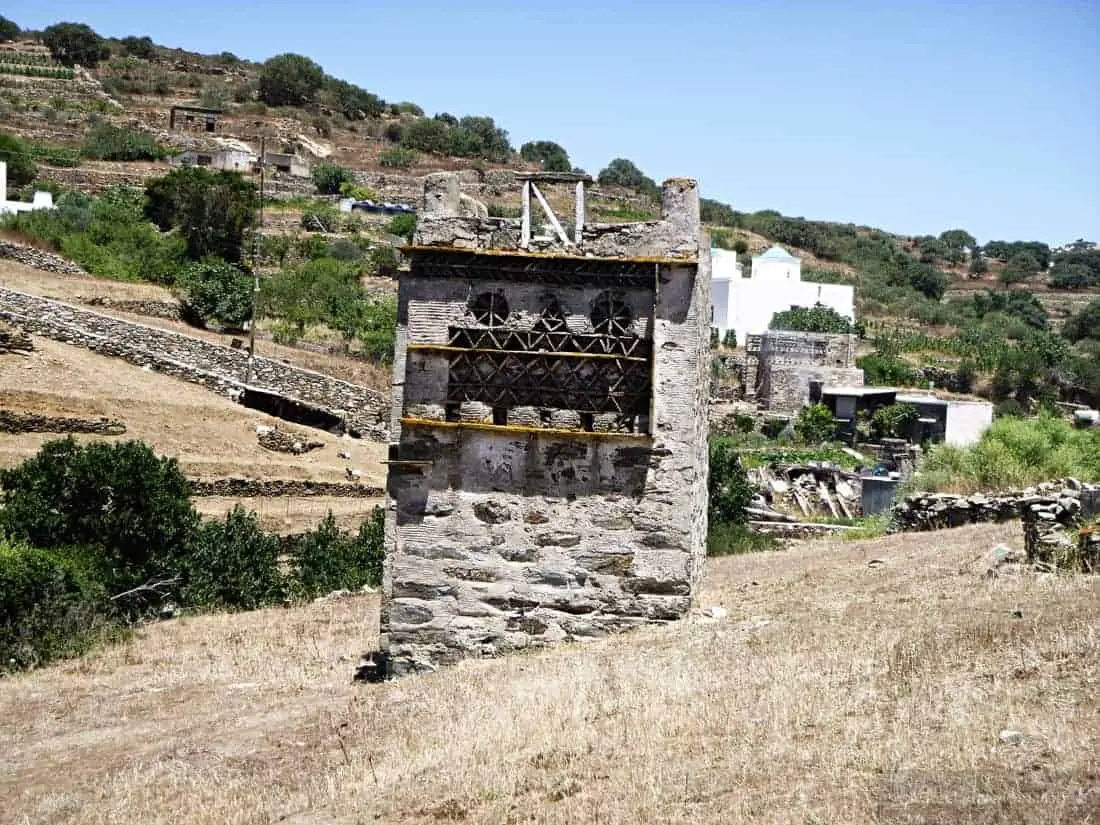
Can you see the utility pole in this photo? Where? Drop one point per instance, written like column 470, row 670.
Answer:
column 255, row 269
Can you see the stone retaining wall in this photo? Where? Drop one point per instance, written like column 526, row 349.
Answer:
column 935, row 511
column 38, row 259
column 273, row 488
column 222, row 369
column 150, row 309
column 19, row 422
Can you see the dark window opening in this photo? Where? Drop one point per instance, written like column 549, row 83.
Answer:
column 489, row 308
column 451, row 412
column 611, row 316
column 500, row 416
column 588, row 422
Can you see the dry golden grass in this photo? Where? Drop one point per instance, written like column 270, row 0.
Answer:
column 834, row 692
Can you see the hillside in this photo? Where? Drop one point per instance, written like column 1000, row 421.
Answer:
column 833, row 691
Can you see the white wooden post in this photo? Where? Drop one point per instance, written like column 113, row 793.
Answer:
column 525, row 230
column 550, row 215
column 578, row 231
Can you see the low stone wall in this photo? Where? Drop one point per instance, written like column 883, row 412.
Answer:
column 1054, row 536
column 38, row 259
column 274, row 488
column 14, row 340
column 19, row 422
column 1056, row 499
column 150, row 309
column 222, row 369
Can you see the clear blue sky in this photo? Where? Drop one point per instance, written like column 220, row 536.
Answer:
column 911, row 116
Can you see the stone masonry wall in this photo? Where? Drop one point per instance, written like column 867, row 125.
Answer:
column 935, row 511
column 38, row 259
column 788, row 361
column 219, row 368
column 509, row 535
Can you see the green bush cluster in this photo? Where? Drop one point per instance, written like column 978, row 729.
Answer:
column 818, row 318
column 467, row 137
column 1014, row 453
column 107, row 142
column 398, row 158
column 95, row 536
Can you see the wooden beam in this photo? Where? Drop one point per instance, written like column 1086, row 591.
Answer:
column 550, row 214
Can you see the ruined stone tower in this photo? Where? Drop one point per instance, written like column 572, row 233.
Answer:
column 548, row 460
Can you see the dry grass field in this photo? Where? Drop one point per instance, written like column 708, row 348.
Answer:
column 836, row 690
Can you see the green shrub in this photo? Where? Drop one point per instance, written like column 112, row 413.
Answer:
column 893, row 420
column 51, row 606
column 815, row 424
column 745, row 423
column 107, row 142
column 399, row 158
column 325, row 560
column 728, row 486
column 818, row 318
column 321, row 218
column 120, row 498
column 234, row 565
column 216, row 291
column 1014, row 452
column 329, row 177
column 403, row 226
column 730, row 339
column 887, row 370
column 15, row 153
column 8, row 30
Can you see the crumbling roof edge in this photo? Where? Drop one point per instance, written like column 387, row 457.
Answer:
column 523, row 253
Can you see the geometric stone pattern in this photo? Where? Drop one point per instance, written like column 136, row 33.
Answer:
column 548, row 461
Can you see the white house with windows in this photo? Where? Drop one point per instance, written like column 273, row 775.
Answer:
column 774, row 284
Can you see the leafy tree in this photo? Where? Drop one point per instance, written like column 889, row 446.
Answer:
column 8, row 30
column 728, row 487
column 818, row 318
column 1085, row 324
column 217, row 291
column 120, row 498
column 351, row 101
column 377, row 330
column 426, row 135
column 715, row 212
column 815, row 424
column 1076, row 269
column 1022, row 266
column 142, row 47
column 623, row 172
column 1006, row 250
column 211, row 210
column 927, row 280
column 234, row 564
column 958, row 239
column 15, row 153
column 75, row 43
column 550, row 156
column 290, row 80
column 329, row 177
column 888, row 370
column 1017, row 304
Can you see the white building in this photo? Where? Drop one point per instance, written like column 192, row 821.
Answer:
column 747, row 304
column 41, row 200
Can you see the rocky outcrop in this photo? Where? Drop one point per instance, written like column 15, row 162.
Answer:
column 222, row 369
column 274, row 488
column 280, row 441
column 20, row 422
